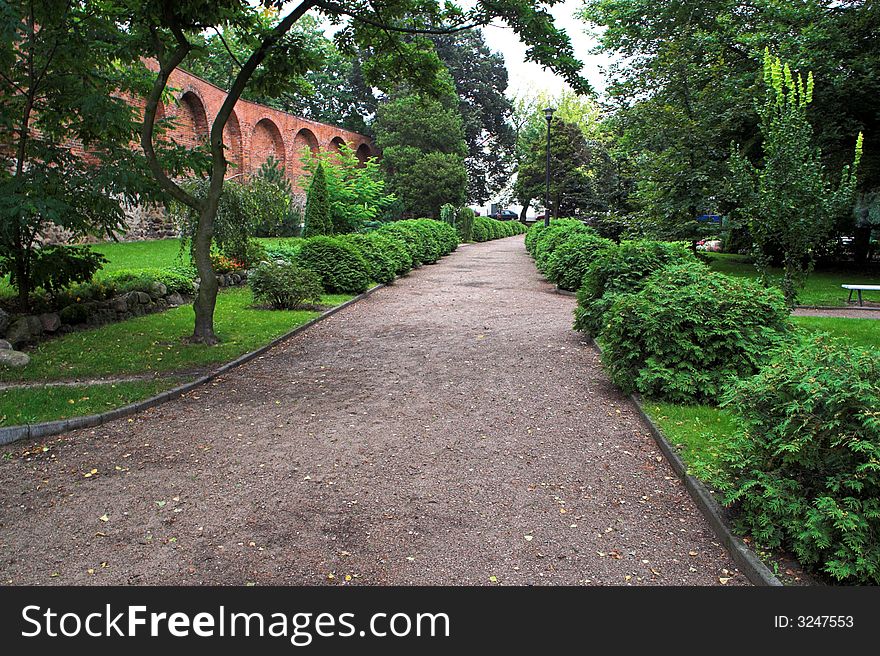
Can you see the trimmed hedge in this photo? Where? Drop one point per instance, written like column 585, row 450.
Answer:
column 621, row 268
column 486, row 229
column 804, row 469
column 568, row 263
column 556, row 234
column 338, row 263
column 375, row 249
column 689, row 332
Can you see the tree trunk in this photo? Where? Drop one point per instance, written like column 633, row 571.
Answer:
column 22, row 278
column 206, row 299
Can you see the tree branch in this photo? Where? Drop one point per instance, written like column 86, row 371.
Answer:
column 334, row 8
column 166, row 66
column 228, row 49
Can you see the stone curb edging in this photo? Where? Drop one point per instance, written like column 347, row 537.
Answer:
column 565, row 292
column 746, row 559
column 10, row 434
column 831, row 308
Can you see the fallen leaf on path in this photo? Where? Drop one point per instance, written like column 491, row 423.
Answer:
column 104, row 518
column 528, row 538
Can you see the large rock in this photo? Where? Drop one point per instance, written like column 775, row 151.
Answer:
column 143, row 298
column 19, row 332
column 4, row 345
column 175, row 299
column 120, row 304
column 4, row 321
column 13, row 358
column 158, row 289
column 50, row 322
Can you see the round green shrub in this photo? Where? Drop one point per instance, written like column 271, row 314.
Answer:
column 621, row 268
column 569, row 261
column 339, row 265
column 414, row 239
column 482, row 229
column 803, row 469
column 433, row 250
column 532, row 236
column 396, row 249
column 284, row 286
column 376, row 251
column 447, row 236
column 691, row 331
column 554, row 236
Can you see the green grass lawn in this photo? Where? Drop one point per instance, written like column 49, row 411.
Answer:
column 155, row 343
column 822, row 287
column 37, row 404
column 857, row 332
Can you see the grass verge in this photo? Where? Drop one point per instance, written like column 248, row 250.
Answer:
column 156, row 343
column 37, row 404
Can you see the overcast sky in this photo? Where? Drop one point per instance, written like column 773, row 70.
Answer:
column 528, row 77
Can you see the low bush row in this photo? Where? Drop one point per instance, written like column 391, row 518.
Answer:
column 802, row 470
column 486, row 229
column 347, row 264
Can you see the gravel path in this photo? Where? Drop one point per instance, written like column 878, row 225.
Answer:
column 445, row 430
column 844, row 313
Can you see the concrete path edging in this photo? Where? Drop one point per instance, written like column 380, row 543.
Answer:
column 10, row 434
column 747, row 560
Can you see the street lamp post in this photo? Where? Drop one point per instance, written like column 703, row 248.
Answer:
column 548, row 114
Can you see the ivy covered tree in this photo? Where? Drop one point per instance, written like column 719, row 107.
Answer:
column 423, row 148
column 318, row 220
column 789, row 201
column 65, row 135
column 389, row 30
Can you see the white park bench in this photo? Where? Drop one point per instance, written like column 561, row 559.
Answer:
column 859, row 289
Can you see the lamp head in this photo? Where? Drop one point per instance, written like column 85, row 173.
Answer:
column 548, row 113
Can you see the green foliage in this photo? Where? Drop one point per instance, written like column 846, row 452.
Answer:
column 689, row 332
column 464, row 224
column 380, row 254
column 556, row 234
column 486, row 229
column 355, row 189
column 243, row 207
column 280, row 215
column 571, row 190
column 423, row 238
column 804, row 470
column 447, row 214
column 423, row 149
column 532, row 236
column 318, row 220
column 618, row 269
column 284, row 286
column 338, row 263
column 568, row 263
column 65, row 72
column 55, row 268
column 482, row 229
column 788, row 203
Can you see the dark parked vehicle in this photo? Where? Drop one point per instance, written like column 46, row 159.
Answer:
column 506, row 215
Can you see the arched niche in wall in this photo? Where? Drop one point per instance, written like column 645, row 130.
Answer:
column 190, row 121
column 265, row 143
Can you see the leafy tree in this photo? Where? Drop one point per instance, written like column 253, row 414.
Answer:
column 571, row 189
column 788, row 201
column 687, row 79
column 480, row 78
column 317, row 216
column 65, row 135
column 333, row 92
column 172, row 33
column 423, row 149
column 355, row 189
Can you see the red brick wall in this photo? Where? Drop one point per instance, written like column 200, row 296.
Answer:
column 253, row 132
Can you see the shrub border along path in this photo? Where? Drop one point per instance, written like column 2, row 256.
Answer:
column 10, row 434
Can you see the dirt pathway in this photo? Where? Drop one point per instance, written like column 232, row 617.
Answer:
column 445, row 430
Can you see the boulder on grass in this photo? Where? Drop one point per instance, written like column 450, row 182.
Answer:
column 50, row 322
column 13, row 359
column 4, row 345
column 19, row 332
column 4, row 321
